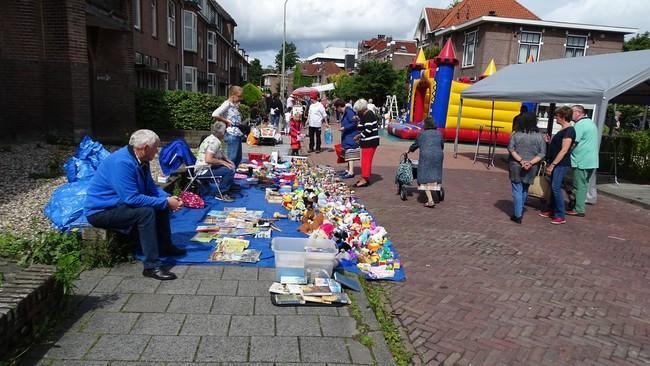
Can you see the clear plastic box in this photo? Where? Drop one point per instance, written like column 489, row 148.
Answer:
column 291, row 252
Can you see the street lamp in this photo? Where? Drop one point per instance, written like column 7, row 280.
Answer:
column 284, row 42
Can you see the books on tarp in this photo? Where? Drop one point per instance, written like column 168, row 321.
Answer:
column 203, row 237
column 311, row 290
column 288, row 299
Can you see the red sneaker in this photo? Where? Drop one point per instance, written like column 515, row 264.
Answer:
column 546, row 213
column 558, row 221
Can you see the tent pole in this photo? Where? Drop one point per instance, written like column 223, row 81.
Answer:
column 460, row 111
column 492, row 148
column 551, row 117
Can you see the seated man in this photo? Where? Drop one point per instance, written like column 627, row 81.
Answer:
column 122, row 194
column 211, row 153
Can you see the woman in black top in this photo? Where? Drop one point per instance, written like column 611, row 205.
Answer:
column 368, row 138
column 559, row 159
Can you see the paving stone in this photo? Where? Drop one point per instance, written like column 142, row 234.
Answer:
column 260, row 325
column 203, row 272
column 118, row 347
column 71, row 346
column 126, row 269
column 190, row 304
column 110, row 323
column 266, row 274
column 104, row 302
column 147, row 303
column 217, row 287
column 274, row 349
column 254, row 288
column 77, row 363
column 178, row 287
column 138, row 285
column 380, row 349
column 223, row 349
column 321, row 349
column 228, row 305
column 84, row 286
column 317, row 310
column 108, row 284
column 171, row 348
column 247, row 364
column 136, row 363
column 359, row 353
column 158, row 324
column 264, row 306
column 206, row 325
column 338, row 326
column 297, row 325
column 300, row 364
column 239, row 273
column 179, row 270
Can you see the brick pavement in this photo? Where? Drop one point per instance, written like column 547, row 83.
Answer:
column 481, row 290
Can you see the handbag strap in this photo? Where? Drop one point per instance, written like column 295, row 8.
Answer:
column 542, row 169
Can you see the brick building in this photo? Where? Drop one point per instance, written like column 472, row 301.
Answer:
column 507, row 32
column 70, row 67
column 383, row 48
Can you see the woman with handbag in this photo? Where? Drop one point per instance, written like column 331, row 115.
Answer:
column 559, row 158
column 368, row 140
column 527, row 148
column 431, row 144
column 349, row 131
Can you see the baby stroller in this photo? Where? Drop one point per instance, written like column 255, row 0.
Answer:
column 407, row 170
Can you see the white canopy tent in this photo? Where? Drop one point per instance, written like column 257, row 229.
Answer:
column 611, row 78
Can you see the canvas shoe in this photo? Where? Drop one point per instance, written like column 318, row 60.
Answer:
column 546, row 214
column 558, row 221
column 575, row 213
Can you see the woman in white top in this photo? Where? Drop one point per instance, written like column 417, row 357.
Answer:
column 229, row 113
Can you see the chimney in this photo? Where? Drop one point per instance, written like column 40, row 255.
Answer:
column 492, row 13
column 381, row 36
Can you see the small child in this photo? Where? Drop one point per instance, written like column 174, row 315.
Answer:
column 294, row 131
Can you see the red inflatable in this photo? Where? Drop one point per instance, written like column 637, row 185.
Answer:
column 405, row 131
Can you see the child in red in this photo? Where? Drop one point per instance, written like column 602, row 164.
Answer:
column 294, row 132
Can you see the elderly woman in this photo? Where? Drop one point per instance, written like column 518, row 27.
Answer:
column 368, row 138
column 349, row 132
column 211, row 154
column 526, row 148
column 431, row 144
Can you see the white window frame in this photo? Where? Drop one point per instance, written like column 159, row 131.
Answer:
column 584, row 50
column 171, row 23
column 212, row 47
column 137, row 14
column 466, row 47
column 528, row 44
column 190, row 81
column 212, row 78
column 154, row 18
column 191, row 28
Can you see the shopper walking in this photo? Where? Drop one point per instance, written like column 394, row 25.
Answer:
column 368, row 140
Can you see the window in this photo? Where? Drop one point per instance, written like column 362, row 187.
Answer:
column 190, row 78
column 211, row 84
column 171, row 23
column 529, row 43
column 189, row 31
column 138, row 58
column 469, row 48
column 212, row 47
column 220, row 24
column 576, row 46
column 154, row 18
column 137, row 13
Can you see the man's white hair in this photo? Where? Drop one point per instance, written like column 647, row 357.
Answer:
column 370, row 100
column 140, row 138
column 360, row 105
column 218, row 128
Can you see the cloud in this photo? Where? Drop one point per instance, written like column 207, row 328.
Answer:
column 631, row 13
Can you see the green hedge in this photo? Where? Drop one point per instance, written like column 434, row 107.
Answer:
column 164, row 110
column 633, row 155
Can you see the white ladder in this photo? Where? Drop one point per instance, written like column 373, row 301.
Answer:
column 391, row 106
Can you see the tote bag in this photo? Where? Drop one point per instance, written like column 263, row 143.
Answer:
column 540, row 187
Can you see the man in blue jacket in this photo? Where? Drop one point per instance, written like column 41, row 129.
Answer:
column 122, row 195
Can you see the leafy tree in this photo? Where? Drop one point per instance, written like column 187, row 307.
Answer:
column 639, row 42
column 375, row 80
column 251, row 94
column 345, row 87
column 400, row 89
column 432, row 51
column 298, row 79
column 290, row 59
column 454, row 3
column 255, row 72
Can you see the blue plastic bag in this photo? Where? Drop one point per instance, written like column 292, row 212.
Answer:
column 85, row 161
column 66, row 206
column 328, row 136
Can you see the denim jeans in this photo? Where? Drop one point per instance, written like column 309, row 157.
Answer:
column 275, row 119
column 519, row 196
column 556, row 203
column 233, row 148
column 153, row 228
column 227, row 176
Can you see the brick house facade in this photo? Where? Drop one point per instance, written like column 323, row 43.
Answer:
column 382, row 48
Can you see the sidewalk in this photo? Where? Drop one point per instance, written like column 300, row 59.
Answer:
column 209, row 315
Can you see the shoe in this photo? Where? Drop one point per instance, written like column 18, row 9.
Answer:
column 430, row 204
column 575, row 213
column 225, row 198
column 359, row 184
column 347, row 176
column 173, row 251
column 159, row 273
column 558, row 221
column 318, row 151
column 546, row 213
column 310, row 151
column 515, row 219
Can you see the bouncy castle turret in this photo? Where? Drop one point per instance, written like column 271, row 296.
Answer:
column 489, row 70
column 415, row 72
column 446, row 62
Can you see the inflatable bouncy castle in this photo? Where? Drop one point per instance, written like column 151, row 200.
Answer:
column 433, row 92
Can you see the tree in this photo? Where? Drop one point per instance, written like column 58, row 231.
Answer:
column 432, row 51
column 345, row 87
column 290, row 59
column 255, row 72
column 454, row 3
column 639, row 42
column 376, row 80
column 251, row 94
column 298, row 79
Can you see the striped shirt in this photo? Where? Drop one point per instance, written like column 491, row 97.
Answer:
column 368, row 130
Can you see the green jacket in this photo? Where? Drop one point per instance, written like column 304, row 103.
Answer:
column 585, row 151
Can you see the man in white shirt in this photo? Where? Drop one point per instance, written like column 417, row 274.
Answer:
column 212, row 155
column 315, row 118
column 372, row 107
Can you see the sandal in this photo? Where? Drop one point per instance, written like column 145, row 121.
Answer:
column 359, row 184
column 430, row 204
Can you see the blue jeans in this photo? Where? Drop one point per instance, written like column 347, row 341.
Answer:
column 234, row 148
column 153, row 228
column 275, row 119
column 227, row 176
column 519, row 196
column 556, row 203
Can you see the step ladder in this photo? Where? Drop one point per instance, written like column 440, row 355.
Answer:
column 391, row 107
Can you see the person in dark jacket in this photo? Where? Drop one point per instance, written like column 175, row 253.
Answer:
column 275, row 111
column 368, row 138
column 524, row 116
column 349, row 131
column 431, row 145
column 122, row 195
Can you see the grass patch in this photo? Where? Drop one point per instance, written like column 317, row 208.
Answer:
column 362, row 327
column 377, row 297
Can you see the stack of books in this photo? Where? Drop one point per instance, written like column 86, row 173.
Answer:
column 294, row 290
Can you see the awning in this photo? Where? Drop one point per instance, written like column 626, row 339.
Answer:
column 326, row 87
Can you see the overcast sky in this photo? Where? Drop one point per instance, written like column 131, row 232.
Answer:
column 313, row 25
